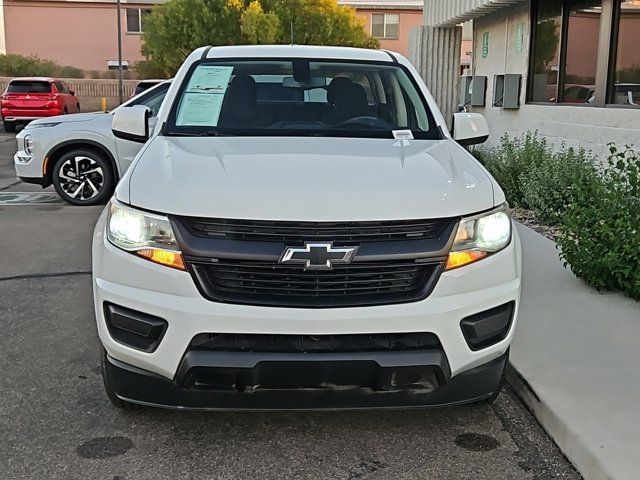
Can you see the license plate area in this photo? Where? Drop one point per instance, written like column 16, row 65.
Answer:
column 330, row 375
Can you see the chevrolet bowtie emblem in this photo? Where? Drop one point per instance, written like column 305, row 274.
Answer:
column 318, row 256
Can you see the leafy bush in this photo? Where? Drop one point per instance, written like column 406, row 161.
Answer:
column 600, row 229
column 13, row 65
column 512, row 160
column 149, row 69
column 546, row 187
column 596, row 213
column 534, row 176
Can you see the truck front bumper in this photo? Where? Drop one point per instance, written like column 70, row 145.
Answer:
column 143, row 387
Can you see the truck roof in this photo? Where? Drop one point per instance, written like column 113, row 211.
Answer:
column 298, row 51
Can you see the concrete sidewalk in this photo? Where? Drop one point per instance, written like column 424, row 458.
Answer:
column 576, row 359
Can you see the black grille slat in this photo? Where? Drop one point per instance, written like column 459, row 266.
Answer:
column 299, row 232
column 268, row 283
column 379, row 342
column 310, row 283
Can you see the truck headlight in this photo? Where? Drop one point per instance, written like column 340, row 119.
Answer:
column 480, row 236
column 28, row 145
column 144, row 234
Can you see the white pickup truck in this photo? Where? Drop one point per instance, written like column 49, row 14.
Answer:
column 302, row 231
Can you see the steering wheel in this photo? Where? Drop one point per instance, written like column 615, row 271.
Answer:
column 367, row 120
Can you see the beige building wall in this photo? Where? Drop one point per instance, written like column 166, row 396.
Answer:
column 80, row 34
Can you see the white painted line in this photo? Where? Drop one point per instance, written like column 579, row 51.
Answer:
column 29, row 198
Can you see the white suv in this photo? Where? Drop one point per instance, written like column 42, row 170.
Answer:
column 78, row 154
column 301, row 231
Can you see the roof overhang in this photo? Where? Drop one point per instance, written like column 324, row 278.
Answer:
column 448, row 13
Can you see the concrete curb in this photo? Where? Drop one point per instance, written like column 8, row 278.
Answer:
column 562, row 434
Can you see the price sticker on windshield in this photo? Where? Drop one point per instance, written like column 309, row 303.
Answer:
column 402, row 134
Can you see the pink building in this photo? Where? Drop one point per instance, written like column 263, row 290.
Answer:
column 77, row 33
column 390, row 21
column 82, row 33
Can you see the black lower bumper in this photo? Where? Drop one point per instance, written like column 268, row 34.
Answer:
column 245, row 381
column 36, row 181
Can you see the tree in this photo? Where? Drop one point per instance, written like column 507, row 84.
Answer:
column 257, row 26
column 175, row 28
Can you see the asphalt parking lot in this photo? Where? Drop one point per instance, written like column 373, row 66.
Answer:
column 57, row 423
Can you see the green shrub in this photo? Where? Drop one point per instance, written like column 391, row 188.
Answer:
column 546, row 186
column 534, row 176
column 149, row 69
column 13, row 65
column 599, row 232
column 513, row 159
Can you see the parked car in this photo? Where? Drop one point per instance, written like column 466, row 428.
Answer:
column 27, row 99
column 78, row 154
column 271, row 250
column 143, row 85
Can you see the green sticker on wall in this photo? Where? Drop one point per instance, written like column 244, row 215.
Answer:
column 485, row 44
column 519, row 37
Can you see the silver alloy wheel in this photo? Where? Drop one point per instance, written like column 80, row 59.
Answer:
column 81, row 178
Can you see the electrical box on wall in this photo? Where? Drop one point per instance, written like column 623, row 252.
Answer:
column 506, row 91
column 478, row 91
column 512, row 87
column 465, row 90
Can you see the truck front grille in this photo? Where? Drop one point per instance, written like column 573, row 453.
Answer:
column 356, row 284
column 296, row 233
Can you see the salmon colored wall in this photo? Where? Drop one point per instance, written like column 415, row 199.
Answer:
column 408, row 20
column 83, row 35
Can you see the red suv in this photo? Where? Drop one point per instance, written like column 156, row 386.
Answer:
column 26, row 99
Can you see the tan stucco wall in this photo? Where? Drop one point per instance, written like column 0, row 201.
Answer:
column 408, row 20
column 83, row 35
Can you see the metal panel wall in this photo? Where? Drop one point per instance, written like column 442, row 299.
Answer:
column 446, row 13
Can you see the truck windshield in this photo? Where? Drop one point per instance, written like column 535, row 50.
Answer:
column 300, row 97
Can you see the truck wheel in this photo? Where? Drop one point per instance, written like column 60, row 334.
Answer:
column 9, row 127
column 108, row 387
column 83, row 177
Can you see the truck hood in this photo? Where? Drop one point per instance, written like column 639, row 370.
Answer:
column 307, row 178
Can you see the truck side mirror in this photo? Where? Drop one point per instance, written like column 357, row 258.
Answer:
column 132, row 123
column 470, row 128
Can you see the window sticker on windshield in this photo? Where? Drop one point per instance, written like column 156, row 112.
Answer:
column 200, row 109
column 209, row 79
column 202, row 99
column 403, row 134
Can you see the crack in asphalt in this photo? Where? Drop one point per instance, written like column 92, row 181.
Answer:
column 538, row 453
column 7, row 187
column 45, row 275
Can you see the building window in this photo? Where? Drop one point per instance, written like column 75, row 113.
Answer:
column 565, row 48
column 385, row 25
column 625, row 86
column 136, row 18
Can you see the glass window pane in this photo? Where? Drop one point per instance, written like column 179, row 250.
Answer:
column 247, row 97
column 583, row 31
column 133, row 20
column 377, row 25
column 392, row 22
column 626, row 90
column 547, row 51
